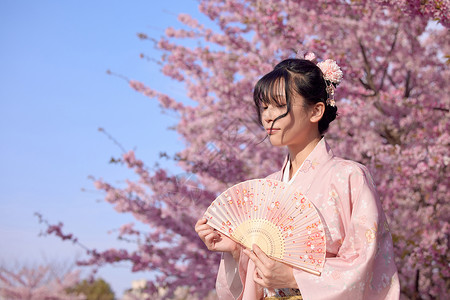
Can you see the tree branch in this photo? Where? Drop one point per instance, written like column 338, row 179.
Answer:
column 394, row 42
column 407, row 84
column 369, row 84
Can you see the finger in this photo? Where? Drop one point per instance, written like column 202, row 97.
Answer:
column 258, row 263
column 203, row 227
column 258, row 279
column 211, row 238
column 251, row 255
column 261, row 255
column 262, row 261
column 257, row 273
column 201, row 222
column 203, row 233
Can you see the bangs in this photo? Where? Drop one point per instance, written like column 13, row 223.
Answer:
column 271, row 89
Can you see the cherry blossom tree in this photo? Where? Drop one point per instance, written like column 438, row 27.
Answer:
column 43, row 282
column 393, row 117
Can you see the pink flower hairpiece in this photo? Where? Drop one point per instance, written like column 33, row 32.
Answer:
column 331, row 71
column 332, row 74
column 310, row 56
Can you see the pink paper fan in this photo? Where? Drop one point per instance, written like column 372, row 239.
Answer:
column 275, row 216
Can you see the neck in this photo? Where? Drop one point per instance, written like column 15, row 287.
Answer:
column 298, row 153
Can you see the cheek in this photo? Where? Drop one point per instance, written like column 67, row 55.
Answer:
column 288, row 120
column 299, row 116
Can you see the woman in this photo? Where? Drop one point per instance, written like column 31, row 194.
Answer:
column 296, row 104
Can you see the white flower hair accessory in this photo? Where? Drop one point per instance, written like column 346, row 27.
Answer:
column 332, row 74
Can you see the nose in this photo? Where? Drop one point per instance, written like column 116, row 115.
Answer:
column 268, row 114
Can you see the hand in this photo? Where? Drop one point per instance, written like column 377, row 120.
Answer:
column 214, row 240
column 270, row 273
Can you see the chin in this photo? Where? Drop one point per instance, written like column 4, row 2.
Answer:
column 276, row 142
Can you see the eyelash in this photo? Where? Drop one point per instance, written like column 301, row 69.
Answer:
column 279, row 106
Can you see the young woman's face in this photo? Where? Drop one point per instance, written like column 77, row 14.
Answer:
column 292, row 130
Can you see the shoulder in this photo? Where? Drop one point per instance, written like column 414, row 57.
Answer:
column 350, row 176
column 345, row 167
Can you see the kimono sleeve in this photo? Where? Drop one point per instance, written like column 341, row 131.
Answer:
column 363, row 267
column 234, row 280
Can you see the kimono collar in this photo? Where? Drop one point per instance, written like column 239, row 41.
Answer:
column 304, row 176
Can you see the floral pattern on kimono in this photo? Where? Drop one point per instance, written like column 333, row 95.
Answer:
column 359, row 260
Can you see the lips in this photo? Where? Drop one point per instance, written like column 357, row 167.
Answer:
column 273, row 130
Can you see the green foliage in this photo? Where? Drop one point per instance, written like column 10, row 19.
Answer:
column 96, row 290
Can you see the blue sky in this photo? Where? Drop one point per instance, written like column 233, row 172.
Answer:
column 54, row 95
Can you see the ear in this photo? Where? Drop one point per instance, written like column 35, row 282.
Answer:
column 317, row 112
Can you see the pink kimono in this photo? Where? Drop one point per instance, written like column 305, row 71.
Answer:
column 360, row 260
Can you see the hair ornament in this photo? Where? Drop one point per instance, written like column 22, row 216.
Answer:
column 310, row 56
column 330, row 91
column 331, row 71
column 332, row 74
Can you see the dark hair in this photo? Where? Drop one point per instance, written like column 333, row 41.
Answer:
column 299, row 76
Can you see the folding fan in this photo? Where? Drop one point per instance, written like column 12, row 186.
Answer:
column 275, row 216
